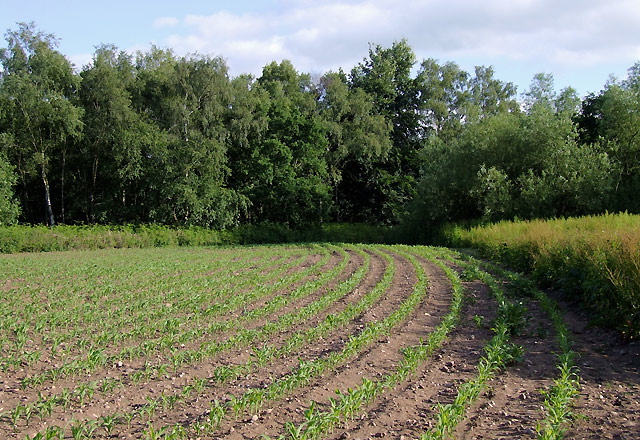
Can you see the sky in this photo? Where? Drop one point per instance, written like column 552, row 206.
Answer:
column 580, row 42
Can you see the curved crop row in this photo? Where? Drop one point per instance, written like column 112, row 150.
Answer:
column 96, row 358
column 220, row 340
column 351, row 403
column 104, row 307
column 253, row 399
column 244, row 337
column 111, row 330
column 498, row 354
column 559, row 398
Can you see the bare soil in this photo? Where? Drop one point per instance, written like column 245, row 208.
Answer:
column 609, row 401
column 608, row 405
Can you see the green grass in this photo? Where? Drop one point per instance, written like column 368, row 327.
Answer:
column 24, row 238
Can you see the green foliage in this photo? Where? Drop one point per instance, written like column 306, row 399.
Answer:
column 185, row 163
column 291, row 180
column 612, row 118
column 493, row 191
column 21, row 238
column 9, row 207
column 36, row 92
column 378, row 191
column 518, row 164
column 358, row 138
column 114, row 135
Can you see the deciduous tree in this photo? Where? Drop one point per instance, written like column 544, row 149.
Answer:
column 37, row 91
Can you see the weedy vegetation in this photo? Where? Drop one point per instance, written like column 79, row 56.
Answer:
column 595, row 260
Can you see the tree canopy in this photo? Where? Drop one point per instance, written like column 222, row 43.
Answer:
column 157, row 137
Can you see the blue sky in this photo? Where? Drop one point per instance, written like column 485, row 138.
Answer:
column 581, row 42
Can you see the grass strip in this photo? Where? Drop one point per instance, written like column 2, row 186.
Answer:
column 595, row 260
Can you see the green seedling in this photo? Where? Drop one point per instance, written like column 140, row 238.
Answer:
column 107, row 422
column 216, row 414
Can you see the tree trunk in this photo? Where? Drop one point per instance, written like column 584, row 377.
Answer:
column 47, row 197
column 94, row 176
column 64, row 161
column 335, row 192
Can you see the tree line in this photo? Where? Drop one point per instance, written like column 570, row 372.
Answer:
column 156, row 137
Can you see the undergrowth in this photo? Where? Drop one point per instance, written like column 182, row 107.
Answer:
column 25, row 238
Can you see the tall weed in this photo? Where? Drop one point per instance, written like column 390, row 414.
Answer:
column 594, row 259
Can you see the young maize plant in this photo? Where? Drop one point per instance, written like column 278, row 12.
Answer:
column 498, row 354
column 306, row 371
column 60, row 296
column 91, row 362
column 559, row 398
column 350, row 403
column 225, row 373
column 77, row 365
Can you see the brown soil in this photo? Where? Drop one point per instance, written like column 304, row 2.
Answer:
column 408, row 410
column 511, row 407
column 608, row 405
column 123, row 400
column 609, row 401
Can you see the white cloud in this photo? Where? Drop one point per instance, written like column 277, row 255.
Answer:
column 227, row 25
column 321, row 35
